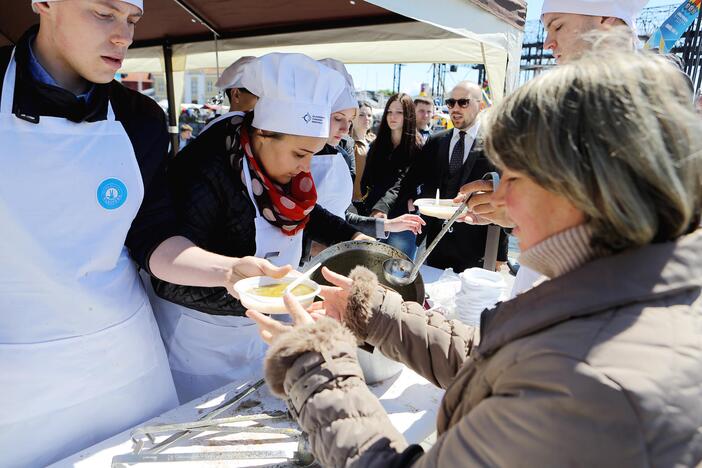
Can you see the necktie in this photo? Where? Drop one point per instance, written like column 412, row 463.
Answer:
column 456, row 162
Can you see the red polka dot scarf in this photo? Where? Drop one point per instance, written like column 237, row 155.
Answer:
column 287, row 207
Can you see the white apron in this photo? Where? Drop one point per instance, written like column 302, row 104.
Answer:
column 333, row 182
column 207, row 351
column 80, row 354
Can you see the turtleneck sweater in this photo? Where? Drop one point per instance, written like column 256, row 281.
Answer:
column 560, row 253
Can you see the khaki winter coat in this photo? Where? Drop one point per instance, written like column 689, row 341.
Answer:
column 599, row 367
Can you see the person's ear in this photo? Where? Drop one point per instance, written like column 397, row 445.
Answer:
column 236, row 95
column 43, row 8
column 609, row 21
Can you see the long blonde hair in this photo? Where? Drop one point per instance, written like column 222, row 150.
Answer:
column 617, row 135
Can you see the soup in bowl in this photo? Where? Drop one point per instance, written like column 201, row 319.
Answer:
column 265, row 294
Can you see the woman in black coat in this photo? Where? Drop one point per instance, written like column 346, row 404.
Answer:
column 388, row 160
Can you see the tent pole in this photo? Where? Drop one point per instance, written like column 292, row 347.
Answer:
column 172, row 111
column 197, row 17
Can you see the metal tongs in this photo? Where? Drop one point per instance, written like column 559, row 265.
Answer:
column 210, row 423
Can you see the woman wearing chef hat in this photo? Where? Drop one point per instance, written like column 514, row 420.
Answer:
column 332, row 172
column 254, row 199
column 83, row 202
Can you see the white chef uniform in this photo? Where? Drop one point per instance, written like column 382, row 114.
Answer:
column 207, row 351
column 330, row 172
column 80, row 354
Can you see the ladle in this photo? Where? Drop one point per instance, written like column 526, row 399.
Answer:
column 400, row 272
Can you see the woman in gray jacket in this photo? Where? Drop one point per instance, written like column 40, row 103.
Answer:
column 601, row 365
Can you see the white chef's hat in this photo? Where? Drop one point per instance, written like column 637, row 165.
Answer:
column 137, row 3
column 347, row 100
column 231, row 76
column 295, row 94
column 626, row 10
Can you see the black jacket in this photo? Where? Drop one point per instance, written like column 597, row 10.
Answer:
column 218, row 215
column 381, row 182
column 144, row 123
column 464, row 247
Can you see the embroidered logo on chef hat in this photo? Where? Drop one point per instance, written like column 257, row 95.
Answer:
column 295, row 94
column 111, row 193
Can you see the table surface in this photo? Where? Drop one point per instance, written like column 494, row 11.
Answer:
column 410, row 401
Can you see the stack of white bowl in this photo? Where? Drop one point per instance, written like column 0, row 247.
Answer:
column 442, row 293
column 480, row 289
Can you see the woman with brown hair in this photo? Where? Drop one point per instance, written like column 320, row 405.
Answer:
column 600, row 365
column 389, row 158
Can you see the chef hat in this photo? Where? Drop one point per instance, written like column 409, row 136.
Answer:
column 137, row 3
column 295, row 94
column 626, row 10
column 231, row 76
column 347, row 100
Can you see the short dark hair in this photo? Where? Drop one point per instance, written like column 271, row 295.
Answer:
column 423, row 100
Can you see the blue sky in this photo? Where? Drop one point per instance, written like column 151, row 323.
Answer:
column 380, row 76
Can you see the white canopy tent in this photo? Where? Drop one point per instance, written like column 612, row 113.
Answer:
column 460, row 31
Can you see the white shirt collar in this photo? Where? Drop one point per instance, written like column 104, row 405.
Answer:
column 471, row 132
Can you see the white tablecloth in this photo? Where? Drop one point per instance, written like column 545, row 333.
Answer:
column 410, row 401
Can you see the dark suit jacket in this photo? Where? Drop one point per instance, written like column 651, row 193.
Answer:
column 464, row 247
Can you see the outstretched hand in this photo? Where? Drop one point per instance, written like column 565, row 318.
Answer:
column 335, row 297
column 481, row 209
column 406, row 222
column 271, row 329
column 334, row 305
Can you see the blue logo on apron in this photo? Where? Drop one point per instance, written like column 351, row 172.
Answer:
column 111, row 194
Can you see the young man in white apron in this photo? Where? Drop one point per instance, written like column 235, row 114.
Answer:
column 82, row 198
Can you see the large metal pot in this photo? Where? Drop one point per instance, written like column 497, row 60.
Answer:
column 342, row 258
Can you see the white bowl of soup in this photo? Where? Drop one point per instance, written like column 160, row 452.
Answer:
column 442, row 209
column 265, row 294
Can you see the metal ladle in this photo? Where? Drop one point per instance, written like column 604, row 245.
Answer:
column 400, row 272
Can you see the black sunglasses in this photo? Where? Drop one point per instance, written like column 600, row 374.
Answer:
column 461, row 102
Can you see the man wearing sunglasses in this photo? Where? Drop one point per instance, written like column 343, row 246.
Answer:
column 449, row 160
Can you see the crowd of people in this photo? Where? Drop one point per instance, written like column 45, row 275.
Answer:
column 119, row 260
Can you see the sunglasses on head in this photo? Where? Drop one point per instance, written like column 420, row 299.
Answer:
column 461, row 102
